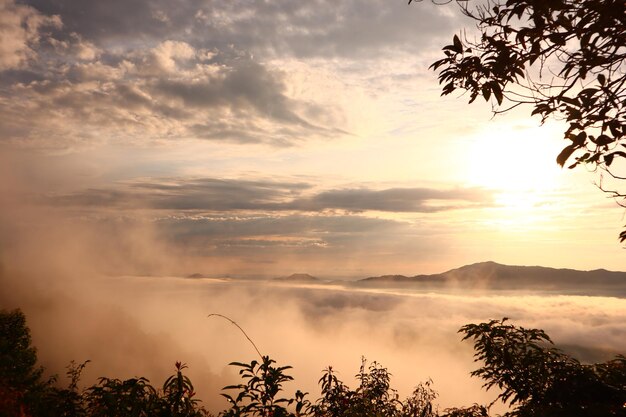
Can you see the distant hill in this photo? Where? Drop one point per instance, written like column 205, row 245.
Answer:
column 403, row 279
column 196, row 275
column 491, row 275
column 298, row 278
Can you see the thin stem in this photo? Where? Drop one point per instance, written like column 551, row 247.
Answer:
column 239, row 327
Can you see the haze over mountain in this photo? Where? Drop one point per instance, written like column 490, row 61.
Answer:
column 492, row 275
column 298, row 278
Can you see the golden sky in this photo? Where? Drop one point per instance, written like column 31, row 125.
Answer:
column 265, row 138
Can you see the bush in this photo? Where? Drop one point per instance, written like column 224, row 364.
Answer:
column 535, row 379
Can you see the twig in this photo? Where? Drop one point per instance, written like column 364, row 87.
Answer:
column 239, row 327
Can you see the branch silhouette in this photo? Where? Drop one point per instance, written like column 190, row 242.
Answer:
column 239, row 327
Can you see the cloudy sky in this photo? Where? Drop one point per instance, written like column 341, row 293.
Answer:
column 270, row 137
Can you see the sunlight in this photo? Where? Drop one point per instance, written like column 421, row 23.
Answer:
column 517, row 161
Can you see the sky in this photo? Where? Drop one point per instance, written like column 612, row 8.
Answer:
column 260, row 139
column 263, row 138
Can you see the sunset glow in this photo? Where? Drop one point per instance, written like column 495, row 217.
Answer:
column 164, row 160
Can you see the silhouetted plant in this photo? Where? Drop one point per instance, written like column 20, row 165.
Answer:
column 373, row 397
column 564, row 59
column 475, row 410
column 21, row 385
column 68, row 402
column 537, row 379
column 420, row 403
column 134, row 397
column 178, row 395
column 258, row 395
column 534, row 378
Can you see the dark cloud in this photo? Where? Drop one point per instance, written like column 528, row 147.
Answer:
column 79, row 72
column 259, row 220
column 240, row 101
column 210, row 194
column 323, row 28
column 422, row 200
column 285, row 226
column 248, row 86
column 65, row 83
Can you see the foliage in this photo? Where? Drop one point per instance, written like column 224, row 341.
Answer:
column 20, row 378
column 24, row 393
column 178, row 393
column 540, row 380
column 533, row 377
column 18, row 358
column 564, row 58
column 373, row 397
column 135, row 397
column 257, row 396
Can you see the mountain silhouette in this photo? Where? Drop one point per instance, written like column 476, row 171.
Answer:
column 298, row 278
column 492, row 275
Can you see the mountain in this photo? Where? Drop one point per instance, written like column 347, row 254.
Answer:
column 196, row 275
column 491, row 275
column 403, row 279
column 298, row 278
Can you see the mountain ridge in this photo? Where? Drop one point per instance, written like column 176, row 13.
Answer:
column 490, row 274
column 298, row 277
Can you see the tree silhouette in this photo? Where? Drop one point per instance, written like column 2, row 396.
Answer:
column 563, row 58
column 20, row 377
column 537, row 379
column 534, row 378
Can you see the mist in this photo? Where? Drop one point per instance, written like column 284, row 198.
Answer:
column 100, row 289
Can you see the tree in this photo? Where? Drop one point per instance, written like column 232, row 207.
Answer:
column 537, row 379
column 563, row 58
column 533, row 377
column 18, row 358
column 20, row 377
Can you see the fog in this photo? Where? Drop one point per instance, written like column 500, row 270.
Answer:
column 83, row 287
column 130, row 326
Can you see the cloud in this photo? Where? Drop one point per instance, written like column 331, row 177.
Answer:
column 249, row 86
column 171, row 91
column 20, row 28
column 79, row 74
column 412, row 334
column 326, row 28
column 419, row 200
column 214, row 194
column 69, row 90
column 62, row 266
column 252, row 222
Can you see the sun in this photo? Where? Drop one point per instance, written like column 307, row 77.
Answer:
column 518, row 163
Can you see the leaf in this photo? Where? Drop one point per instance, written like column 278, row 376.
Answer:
column 601, row 79
column 588, row 92
column 579, row 139
column 240, row 364
column 570, row 100
column 486, row 92
column 458, row 46
column 614, row 128
column 603, row 140
column 497, row 91
column 565, row 154
column 232, row 387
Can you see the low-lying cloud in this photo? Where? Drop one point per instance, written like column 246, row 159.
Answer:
column 215, row 194
column 63, row 271
column 265, row 221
